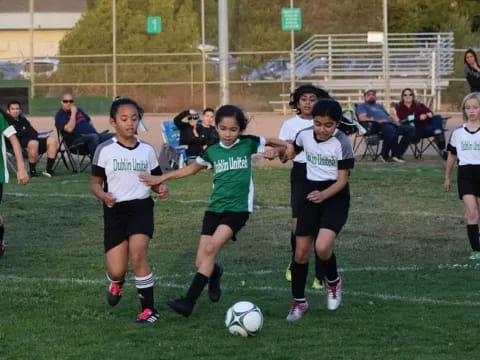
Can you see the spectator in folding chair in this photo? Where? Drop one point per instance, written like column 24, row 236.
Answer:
column 30, row 141
column 392, row 149
column 191, row 134
column 426, row 124
column 76, row 126
column 208, row 127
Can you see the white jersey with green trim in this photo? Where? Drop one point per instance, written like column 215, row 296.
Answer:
column 232, row 166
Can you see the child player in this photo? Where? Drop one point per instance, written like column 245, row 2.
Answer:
column 231, row 201
column 326, row 200
column 128, row 207
column 7, row 130
column 302, row 101
column 464, row 148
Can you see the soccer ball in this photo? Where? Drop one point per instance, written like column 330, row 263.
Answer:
column 244, row 319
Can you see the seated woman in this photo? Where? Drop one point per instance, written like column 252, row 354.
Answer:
column 191, row 134
column 426, row 124
column 472, row 70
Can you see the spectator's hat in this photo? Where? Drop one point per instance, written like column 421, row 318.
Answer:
column 368, row 89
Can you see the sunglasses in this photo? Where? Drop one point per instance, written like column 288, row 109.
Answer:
column 407, row 94
column 68, row 101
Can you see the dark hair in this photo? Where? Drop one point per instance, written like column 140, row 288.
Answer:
column 207, row 110
column 119, row 101
column 305, row 89
column 13, row 102
column 328, row 107
column 231, row 111
column 470, row 51
column 413, row 95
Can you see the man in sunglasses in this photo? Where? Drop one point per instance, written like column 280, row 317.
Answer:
column 76, row 126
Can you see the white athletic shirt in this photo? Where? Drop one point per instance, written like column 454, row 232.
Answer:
column 289, row 131
column 325, row 158
column 121, row 167
column 466, row 145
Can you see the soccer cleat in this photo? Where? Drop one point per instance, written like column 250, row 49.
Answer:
column 214, row 290
column 475, row 255
column 317, row 284
column 288, row 272
column 386, row 159
column 114, row 294
column 2, row 248
column 147, row 316
column 297, row 310
column 398, row 159
column 334, row 294
column 181, row 306
column 48, row 174
column 33, row 173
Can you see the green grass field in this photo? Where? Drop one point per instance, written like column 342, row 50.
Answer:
column 409, row 290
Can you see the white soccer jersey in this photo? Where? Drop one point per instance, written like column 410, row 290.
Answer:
column 325, row 158
column 466, row 145
column 289, row 131
column 122, row 167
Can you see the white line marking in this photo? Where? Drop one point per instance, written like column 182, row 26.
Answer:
column 408, row 213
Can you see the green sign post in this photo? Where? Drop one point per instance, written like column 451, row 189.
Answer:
column 154, row 24
column 291, row 19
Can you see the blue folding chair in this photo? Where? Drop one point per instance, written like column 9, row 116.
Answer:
column 171, row 136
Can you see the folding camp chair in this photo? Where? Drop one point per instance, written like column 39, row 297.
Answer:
column 425, row 143
column 11, row 163
column 171, row 136
column 370, row 138
column 75, row 157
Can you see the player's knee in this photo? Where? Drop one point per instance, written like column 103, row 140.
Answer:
column 301, row 255
column 116, row 274
column 210, row 249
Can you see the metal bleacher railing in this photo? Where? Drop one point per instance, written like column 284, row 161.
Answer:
column 345, row 64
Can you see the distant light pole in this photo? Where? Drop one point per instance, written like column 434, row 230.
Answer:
column 292, row 56
column 204, row 70
column 114, row 48
column 32, row 44
column 386, row 63
column 223, row 50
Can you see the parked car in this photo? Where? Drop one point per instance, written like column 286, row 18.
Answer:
column 9, row 70
column 45, row 67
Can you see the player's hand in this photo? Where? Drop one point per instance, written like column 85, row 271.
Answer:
column 446, row 185
column 22, row 177
column 73, row 108
column 151, row 180
column 270, row 153
column 423, row 117
column 289, row 153
column 162, row 191
column 316, row 197
column 109, row 200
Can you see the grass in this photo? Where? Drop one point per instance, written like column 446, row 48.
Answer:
column 410, row 293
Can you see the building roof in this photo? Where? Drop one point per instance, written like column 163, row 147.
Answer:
column 51, row 6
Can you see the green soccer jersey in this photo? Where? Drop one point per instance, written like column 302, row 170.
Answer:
column 232, row 166
column 6, row 130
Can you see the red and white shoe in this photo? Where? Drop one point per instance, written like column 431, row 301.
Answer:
column 114, row 293
column 297, row 310
column 334, row 294
column 148, row 316
column 2, row 248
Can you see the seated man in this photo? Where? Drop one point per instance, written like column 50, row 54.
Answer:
column 29, row 140
column 76, row 126
column 390, row 128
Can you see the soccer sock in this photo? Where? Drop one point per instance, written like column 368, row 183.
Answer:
column 216, row 271
column 198, row 283
column 319, row 271
column 331, row 272
column 472, row 231
column 144, row 286
column 293, row 245
column 32, row 166
column 299, row 278
column 50, row 163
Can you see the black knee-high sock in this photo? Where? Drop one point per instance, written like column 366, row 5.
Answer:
column 144, row 286
column 330, row 267
column 216, row 271
column 32, row 166
column 50, row 163
column 293, row 245
column 472, row 231
column 198, row 283
column 2, row 229
column 299, row 278
column 319, row 270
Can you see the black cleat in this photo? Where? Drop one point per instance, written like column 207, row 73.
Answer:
column 181, row 306
column 148, row 316
column 114, row 294
column 214, row 290
column 2, row 248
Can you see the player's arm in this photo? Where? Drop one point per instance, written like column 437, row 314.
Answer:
column 70, row 125
column 152, row 180
column 451, row 161
column 97, row 189
column 284, row 148
column 22, row 177
column 319, row 196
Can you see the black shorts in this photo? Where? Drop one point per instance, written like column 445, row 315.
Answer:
column 42, row 144
column 233, row 219
column 468, row 180
column 298, row 176
column 330, row 214
column 127, row 218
